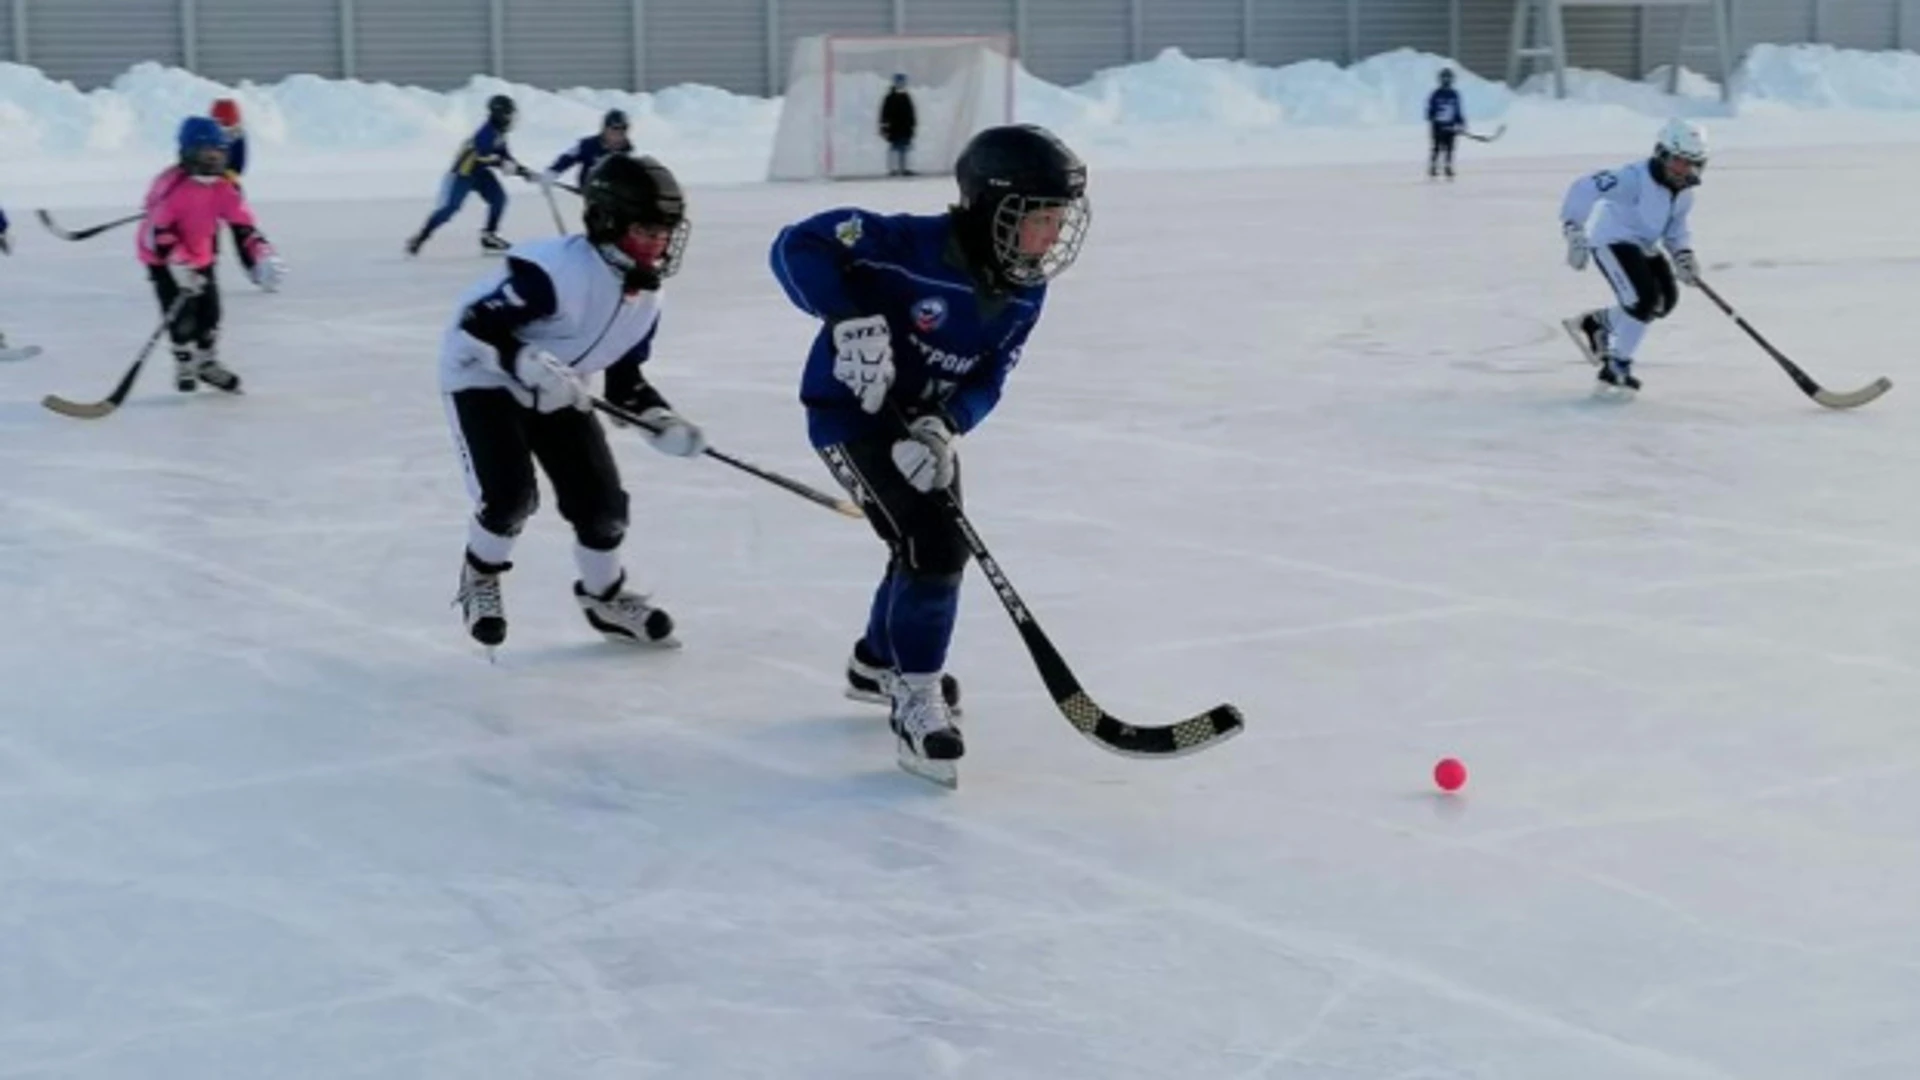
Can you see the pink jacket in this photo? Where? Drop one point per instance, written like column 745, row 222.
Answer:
column 184, row 216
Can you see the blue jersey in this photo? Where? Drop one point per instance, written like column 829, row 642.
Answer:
column 1443, row 109
column 586, row 153
column 236, row 155
column 952, row 346
column 487, row 149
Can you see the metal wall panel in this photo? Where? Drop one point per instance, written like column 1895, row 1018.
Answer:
column 566, row 43
column 1396, row 24
column 1777, row 21
column 1069, row 41
column 438, row 44
column 960, row 17
column 91, row 41
column 1606, row 38
column 1195, row 27
column 267, row 40
column 1485, row 27
column 1288, row 30
column 805, row 18
column 716, row 42
column 1859, row 24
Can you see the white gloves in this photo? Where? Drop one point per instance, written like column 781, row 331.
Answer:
column 189, row 281
column 555, row 386
column 268, row 271
column 1686, row 267
column 1578, row 249
column 669, row 433
column 925, row 456
column 863, row 359
column 546, row 178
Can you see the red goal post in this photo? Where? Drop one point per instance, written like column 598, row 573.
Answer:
column 830, row 116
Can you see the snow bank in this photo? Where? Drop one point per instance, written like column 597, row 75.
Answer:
column 1199, row 112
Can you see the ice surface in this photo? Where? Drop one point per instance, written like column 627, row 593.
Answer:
column 1308, row 440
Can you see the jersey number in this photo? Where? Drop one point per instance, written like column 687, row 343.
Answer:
column 1605, row 181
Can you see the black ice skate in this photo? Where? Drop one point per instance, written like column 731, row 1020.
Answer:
column 1617, row 371
column 479, row 600
column 624, row 616
column 1589, row 334
column 415, row 242
column 927, row 743
column 492, row 243
column 185, row 371
column 870, row 681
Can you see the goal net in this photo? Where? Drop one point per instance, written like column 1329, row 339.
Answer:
column 830, row 119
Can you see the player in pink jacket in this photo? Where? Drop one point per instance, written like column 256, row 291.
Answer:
column 185, row 208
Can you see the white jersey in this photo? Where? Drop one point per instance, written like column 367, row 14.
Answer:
column 594, row 323
column 1634, row 208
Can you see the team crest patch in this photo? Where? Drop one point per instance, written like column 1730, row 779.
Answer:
column 848, row 231
column 928, row 314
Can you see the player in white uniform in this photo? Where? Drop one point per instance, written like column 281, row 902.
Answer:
column 514, row 369
column 1641, row 208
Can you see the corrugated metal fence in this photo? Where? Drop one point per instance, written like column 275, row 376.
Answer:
column 742, row 45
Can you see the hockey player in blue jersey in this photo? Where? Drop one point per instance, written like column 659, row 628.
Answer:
column 473, row 171
column 923, row 317
column 587, row 153
column 226, row 113
column 1446, row 119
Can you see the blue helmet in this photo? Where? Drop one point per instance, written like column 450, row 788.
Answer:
column 197, row 135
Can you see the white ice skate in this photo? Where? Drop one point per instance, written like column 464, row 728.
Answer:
column 872, row 682
column 626, row 617
column 481, row 605
column 927, row 743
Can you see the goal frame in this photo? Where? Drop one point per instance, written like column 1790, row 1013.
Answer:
column 1005, row 42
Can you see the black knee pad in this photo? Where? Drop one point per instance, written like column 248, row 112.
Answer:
column 508, row 520
column 934, row 550
column 605, row 527
column 1646, row 308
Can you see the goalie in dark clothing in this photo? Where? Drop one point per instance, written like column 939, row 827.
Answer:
column 897, row 124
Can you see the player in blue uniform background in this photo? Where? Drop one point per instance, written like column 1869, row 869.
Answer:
column 587, row 153
column 924, row 316
column 473, row 171
column 1446, row 119
column 226, row 113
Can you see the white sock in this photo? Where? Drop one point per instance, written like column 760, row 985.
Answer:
column 488, row 547
column 598, row 569
column 1626, row 332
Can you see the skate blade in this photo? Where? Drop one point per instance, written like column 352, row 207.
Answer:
column 944, row 773
column 23, row 352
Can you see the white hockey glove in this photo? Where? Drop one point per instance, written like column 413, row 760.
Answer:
column 1578, row 249
column 925, row 456
column 1686, row 267
column 268, row 272
column 669, row 433
column 189, row 281
column 546, row 179
column 863, row 359
column 555, row 386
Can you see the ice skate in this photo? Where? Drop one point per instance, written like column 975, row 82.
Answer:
column 492, row 243
column 480, row 603
column 624, row 616
column 927, row 743
column 870, row 681
column 209, row 370
column 1617, row 371
column 1589, row 335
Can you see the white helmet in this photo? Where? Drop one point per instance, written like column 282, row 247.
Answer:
column 1683, row 139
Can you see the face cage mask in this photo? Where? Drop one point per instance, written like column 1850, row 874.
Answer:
column 1028, row 270
column 646, row 278
column 1692, row 178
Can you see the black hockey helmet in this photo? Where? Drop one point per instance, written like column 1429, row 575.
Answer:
column 1446, row 76
column 1023, row 211
column 501, row 110
column 622, row 192
column 615, row 118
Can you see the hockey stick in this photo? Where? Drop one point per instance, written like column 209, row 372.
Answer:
column 83, row 234
column 831, row 502
column 1486, row 137
column 559, row 226
column 1850, row 399
column 1106, row 730
column 94, row 410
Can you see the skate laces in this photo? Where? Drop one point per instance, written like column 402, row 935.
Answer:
column 630, row 605
column 480, row 595
column 920, row 706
